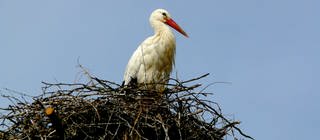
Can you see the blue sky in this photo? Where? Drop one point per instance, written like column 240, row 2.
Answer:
column 268, row 50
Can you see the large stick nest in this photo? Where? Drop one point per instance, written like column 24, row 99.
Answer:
column 100, row 109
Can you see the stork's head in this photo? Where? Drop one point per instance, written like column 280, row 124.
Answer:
column 163, row 16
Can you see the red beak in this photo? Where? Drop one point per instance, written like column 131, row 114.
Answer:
column 175, row 26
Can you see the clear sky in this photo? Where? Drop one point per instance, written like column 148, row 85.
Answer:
column 268, row 49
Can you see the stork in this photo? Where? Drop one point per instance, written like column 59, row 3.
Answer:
column 151, row 63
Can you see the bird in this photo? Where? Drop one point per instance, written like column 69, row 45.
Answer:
column 151, row 63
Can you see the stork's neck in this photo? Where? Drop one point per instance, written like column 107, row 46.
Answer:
column 163, row 31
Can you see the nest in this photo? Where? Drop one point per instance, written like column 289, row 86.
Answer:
column 100, row 109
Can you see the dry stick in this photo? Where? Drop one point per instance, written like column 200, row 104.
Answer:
column 136, row 120
column 106, row 127
column 114, row 135
column 128, row 124
column 194, row 79
column 165, row 129
column 103, row 82
column 221, row 116
column 214, row 109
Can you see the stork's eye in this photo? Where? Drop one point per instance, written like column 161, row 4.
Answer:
column 164, row 14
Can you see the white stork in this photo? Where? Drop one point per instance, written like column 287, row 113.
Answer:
column 151, row 64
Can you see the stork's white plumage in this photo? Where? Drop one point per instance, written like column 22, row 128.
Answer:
column 151, row 64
